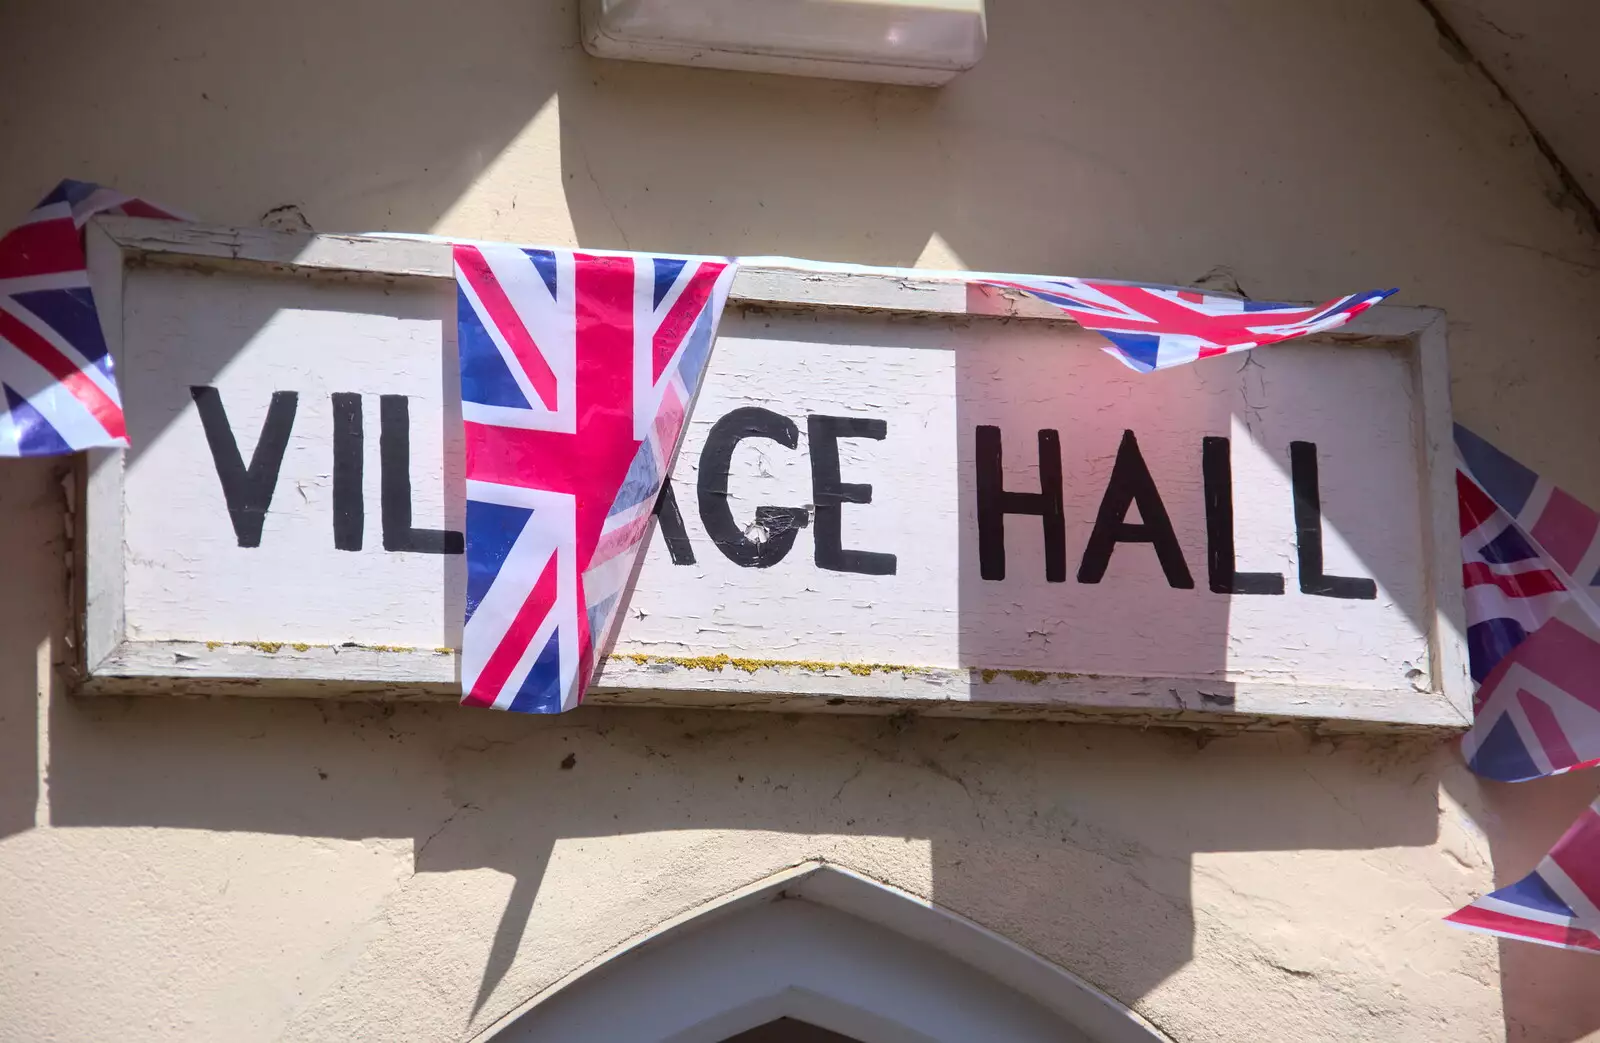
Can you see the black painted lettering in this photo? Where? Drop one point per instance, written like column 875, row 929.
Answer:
column 995, row 501
column 1216, row 465
column 670, row 520
column 349, row 443
column 1130, row 485
column 1308, row 532
column 394, row 460
column 247, row 490
column 779, row 524
column 830, row 494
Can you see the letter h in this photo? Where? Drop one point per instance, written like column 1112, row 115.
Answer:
column 995, row 501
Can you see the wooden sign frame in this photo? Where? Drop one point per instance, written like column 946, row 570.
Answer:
column 111, row 663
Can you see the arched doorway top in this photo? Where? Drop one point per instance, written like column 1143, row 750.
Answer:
column 831, row 947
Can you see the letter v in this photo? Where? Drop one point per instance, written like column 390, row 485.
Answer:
column 247, row 490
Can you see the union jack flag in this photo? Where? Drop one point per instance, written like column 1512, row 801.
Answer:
column 577, row 372
column 58, row 392
column 1531, row 568
column 1557, row 904
column 1530, row 562
column 1154, row 327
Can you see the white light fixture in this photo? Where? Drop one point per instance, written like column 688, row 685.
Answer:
column 920, row 42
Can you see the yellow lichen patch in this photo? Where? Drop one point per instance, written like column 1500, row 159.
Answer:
column 1026, row 676
column 271, row 647
column 721, row 661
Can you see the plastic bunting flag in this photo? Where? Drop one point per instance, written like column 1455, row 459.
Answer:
column 1533, row 632
column 1531, row 569
column 1153, row 327
column 578, row 371
column 58, row 390
column 1557, row 904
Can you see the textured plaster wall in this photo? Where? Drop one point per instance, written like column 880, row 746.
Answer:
column 201, row 870
column 1542, row 53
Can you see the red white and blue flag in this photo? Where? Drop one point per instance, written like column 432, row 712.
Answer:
column 1531, row 570
column 1153, row 327
column 1530, row 562
column 1557, row 904
column 577, row 374
column 58, row 391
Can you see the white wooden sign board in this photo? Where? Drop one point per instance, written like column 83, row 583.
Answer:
column 895, row 492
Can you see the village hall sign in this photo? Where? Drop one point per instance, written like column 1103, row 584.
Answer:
column 895, row 491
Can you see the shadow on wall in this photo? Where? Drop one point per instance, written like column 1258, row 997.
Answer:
column 32, row 500
column 1060, row 837
column 382, row 116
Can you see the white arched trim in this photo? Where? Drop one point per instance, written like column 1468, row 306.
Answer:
column 831, row 947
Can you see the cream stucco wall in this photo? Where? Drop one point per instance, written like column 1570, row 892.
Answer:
column 242, row 870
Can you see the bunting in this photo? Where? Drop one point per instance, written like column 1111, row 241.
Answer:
column 58, row 388
column 1531, row 571
column 1557, row 904
column 1530, row 554
column 1150, row 327
column 578, row 371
